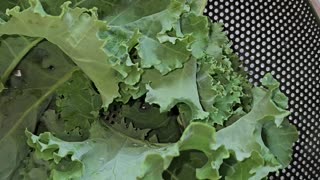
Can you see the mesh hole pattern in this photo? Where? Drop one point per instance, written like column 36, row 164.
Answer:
column 281, row 37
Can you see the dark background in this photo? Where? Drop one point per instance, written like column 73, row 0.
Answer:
column 281, row 37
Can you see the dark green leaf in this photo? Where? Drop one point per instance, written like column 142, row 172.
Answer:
column 26, row 97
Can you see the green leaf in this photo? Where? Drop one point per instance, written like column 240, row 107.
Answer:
column 1, row 87
column 197, row 6
column 278, row 97
column 129, row 130
column 162, row 128
column 152, row 19
column 164, row 57
column 79, row 42
column 139, row 114
column 134, row 27
column 8, row 4
column 188, row 164
column 12, row 50
column 220, row 89
column 167, row 134
column 243, row 169
column 32, row 168
column 53, row 6
column 184, row 166
column 279, row 140
column 218, row 41
column 198, row 28
column 246, row 137
column 177, row 87
column 243, row 132
column 27, row 96
column 135, row 52
column 222, row 84
column 110, row 155
column 77, row 92
column 77, row 106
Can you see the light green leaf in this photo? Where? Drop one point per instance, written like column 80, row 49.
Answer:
column 110, row 155
column 243, row 132
column 243, row 169
column 220, row 89
column 278, row 97
column 246, row 137
column 164, row 57
column 177, row 87
column 27, row 96
column 222, row 84
column 152, row 19
column 279, row 140
column 197, row 6
column 218, row 41
column 79, row 41
column 53, row 6
column 136, row 52
column 198, row 28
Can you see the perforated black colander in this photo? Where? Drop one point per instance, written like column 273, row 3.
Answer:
column 281, row 37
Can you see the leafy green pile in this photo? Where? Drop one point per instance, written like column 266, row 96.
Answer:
column 121, row 89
